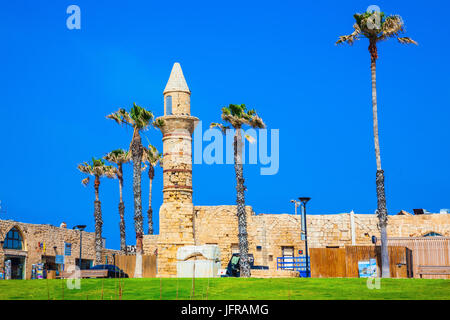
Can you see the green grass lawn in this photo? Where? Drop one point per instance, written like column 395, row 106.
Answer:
column 226, row 288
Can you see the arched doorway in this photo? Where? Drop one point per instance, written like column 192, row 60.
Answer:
column 15, row 256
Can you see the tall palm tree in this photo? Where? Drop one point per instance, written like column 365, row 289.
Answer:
column 237, row 115
column 139, row 119
column 376, row 27
column 98, row 169
column 120, row 157
column 152, row 157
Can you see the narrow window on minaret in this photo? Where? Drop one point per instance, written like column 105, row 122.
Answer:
column 168, row 105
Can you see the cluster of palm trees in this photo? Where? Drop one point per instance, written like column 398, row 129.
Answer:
column 139, row 119
column 377, row 27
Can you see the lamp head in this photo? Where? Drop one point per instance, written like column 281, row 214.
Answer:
column 80, row 227
column 304, row 200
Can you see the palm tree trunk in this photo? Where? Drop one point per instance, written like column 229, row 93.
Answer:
column 123, row 242
column 381, row 197
column 151, row 175
column 98, row 223
column 382, row 217
column 240, row 201
column 136, row 156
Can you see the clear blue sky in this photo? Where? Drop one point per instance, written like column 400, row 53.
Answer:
column 57, row 85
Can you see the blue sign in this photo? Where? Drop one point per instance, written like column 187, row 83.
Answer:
column 367, row 269
column 59, row 259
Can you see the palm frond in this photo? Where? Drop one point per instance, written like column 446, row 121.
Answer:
column 110, row 172
column 406, row 40
column 140, row 116
column 237, row 109
column 118, row 156
column 351, row 38
column 97, row 167
column 226, row 110
column 250, row 138
column 392, row 26
column 115, row 116
column 85, row 168
column 151, row 155
column 369, row 23
column 158, row 123
column 235, row 121
column 85, row 181
column 257, row 122
column 125, row 116
column 121, row 116
column 238, row 115
column 220, row 126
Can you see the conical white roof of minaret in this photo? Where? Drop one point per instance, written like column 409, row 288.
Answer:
column 176, row 80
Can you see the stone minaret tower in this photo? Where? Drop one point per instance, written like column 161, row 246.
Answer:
column 177, row 211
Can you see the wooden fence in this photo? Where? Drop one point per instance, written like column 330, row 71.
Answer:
column 343, row 262
column 426, row 251
column 128, row 262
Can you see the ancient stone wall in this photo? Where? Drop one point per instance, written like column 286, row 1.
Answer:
column 269, row 233
column 336, row 229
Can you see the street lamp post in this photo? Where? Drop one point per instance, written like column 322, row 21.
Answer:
column 2, row 270
column 81, row 228
column 304, row 201
column 296, row 205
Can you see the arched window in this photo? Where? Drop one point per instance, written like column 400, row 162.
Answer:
column 433, row 234
column 168, row 105
column 13, row 240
